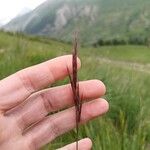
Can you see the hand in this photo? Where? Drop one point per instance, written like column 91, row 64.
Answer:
column 24, row 106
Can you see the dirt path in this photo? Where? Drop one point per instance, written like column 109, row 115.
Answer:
column 128, row 65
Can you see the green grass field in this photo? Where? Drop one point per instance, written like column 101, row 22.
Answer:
column 124, row 69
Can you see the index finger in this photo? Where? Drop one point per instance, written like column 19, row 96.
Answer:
column 17, row 87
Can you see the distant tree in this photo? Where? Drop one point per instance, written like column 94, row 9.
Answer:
column 134, row 40
column 137, row 40
column 148, row 42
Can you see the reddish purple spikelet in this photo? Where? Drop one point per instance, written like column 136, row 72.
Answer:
column 75, row 87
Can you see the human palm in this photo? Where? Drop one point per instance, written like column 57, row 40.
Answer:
column 25, row 105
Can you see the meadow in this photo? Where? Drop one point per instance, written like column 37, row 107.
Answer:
column 125, row 70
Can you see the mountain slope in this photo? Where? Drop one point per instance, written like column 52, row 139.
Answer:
column 96, row 19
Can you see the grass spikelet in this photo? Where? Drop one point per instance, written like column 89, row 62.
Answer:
column 75, row 87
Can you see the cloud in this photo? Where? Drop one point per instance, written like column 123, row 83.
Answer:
column 10, row 8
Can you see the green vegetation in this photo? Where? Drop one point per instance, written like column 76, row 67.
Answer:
column 99, row 21
column 127, row 125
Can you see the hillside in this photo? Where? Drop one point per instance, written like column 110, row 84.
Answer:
column 96, row 19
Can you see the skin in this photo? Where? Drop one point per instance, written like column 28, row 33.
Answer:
column 25, row 103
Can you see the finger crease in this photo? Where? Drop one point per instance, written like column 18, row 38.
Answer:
column 47, row 103
column 27, row 83
column 55, row 128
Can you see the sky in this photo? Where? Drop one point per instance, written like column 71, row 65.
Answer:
column 11, row 8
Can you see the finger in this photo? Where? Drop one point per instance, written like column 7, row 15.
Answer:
column 18, row 87
column 84, row 144
column 57, row 124
column 40, row 105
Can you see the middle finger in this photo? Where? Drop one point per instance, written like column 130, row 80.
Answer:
column 40, row 104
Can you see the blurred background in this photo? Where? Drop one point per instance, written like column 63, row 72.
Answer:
column 114, row 47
